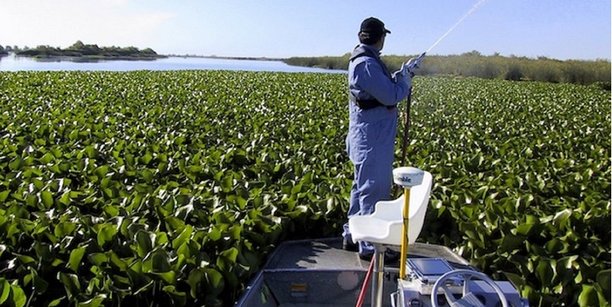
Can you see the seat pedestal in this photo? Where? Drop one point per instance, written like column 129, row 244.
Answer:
column 377, row 277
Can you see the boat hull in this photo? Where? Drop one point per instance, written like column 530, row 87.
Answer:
column 320, row 273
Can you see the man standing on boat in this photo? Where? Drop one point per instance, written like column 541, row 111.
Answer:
column 374, row 94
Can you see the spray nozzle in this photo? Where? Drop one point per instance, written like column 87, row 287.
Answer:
column 414, row 63
column 421, row 56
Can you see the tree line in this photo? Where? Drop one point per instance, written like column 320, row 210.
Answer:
column 490, row 67
column 79, row 49
column 5, row 51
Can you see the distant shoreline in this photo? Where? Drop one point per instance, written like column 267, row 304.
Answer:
column 88, row 58
column 225, row 57
column 80, row 52
column 94, row 58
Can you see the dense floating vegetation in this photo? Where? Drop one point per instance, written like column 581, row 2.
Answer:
column 159, row 188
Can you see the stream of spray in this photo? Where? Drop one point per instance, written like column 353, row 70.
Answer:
column 472, row 10
column 415, row 65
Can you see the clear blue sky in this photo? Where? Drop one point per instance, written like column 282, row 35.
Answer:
column 561, row 29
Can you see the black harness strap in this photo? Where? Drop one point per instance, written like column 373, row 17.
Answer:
column 366, row 104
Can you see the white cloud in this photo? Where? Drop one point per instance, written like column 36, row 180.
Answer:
column 62, row 22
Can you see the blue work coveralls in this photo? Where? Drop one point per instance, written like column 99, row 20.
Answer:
column 371, row 137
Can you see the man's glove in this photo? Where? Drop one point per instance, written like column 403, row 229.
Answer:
column 403, row 75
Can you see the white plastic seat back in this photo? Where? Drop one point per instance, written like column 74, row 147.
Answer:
column 384, row 226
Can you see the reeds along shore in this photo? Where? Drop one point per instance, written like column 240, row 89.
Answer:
column 488, row 67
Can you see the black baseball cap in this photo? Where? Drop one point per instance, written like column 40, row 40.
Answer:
column 373, row 26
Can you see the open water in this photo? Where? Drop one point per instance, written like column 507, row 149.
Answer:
column 14, row 63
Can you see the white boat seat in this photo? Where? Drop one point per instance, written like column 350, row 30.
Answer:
column 384, row 226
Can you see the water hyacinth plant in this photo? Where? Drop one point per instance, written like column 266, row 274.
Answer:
column 171, row 188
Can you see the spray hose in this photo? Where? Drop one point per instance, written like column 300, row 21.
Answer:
column 364, row 286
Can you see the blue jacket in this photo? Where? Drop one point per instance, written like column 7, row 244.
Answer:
column 369, row 79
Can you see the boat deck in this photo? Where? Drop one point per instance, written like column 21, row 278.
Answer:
column 326, row 254
column 320, row 273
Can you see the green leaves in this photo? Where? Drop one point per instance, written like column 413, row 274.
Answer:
column 71, row 284
column 17, row 297
column 516, row 174
column 5, row 290
column 106, row 233
column 75, row 258
column 134, row 187
column 174, row 186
